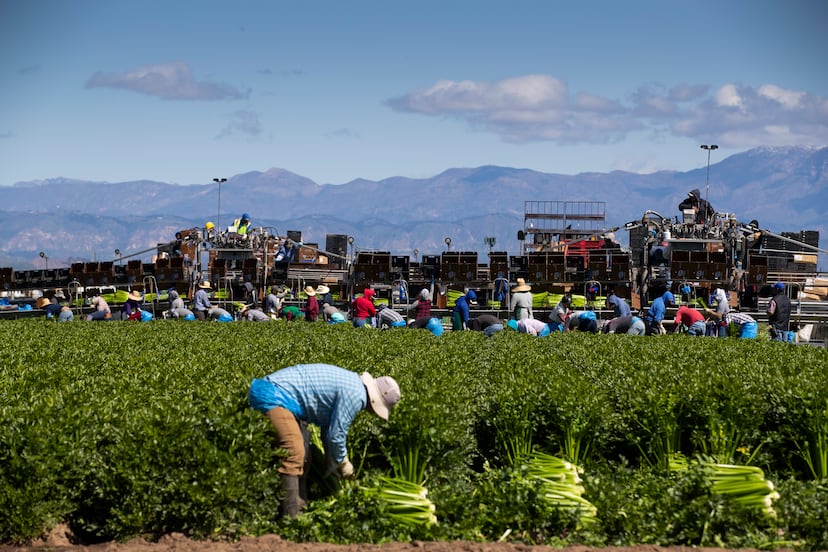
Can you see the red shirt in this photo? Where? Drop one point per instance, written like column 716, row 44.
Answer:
column 688, row 316
column 364, row 307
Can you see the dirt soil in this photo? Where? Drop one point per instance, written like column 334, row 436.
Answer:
column 60, row 540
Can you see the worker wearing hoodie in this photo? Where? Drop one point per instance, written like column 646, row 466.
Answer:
column 363, row 308
column 655, row 316
column 704, row 211
column 460, row 314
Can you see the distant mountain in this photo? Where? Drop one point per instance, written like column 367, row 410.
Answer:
column 785, row 189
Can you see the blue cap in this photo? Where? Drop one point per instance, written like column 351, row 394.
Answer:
column 668, row 296
column 225, row 318
column 779, row 286
column 435, row 326
column 545, row 331
column 512, row 324
column 189, row 316
column 245, row 216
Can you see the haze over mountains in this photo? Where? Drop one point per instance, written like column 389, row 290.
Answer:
column 785, row 189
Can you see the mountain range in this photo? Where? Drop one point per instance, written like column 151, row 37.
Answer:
column 785, row 189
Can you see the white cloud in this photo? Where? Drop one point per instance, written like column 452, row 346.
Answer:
column 170, row 81
column 243, row 121
column 788, row 98
column 539, row 108
column 728, row 95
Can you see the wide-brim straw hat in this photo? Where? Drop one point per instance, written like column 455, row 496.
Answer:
column 521, row 286
column 135, row 295
column 383, row 392
column 204, row 284
column 322, row 289
column 309, row 291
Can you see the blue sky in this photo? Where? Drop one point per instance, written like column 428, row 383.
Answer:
column 187, row 90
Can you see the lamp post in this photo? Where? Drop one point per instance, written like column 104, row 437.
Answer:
column 709, row 149
column 218, row 214
column 448, row 243
column 490, row 241
column 45, row 259
column 120, row 257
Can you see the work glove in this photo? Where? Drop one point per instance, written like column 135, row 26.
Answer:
column 345, row 469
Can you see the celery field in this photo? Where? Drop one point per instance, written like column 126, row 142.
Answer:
column 123, row 430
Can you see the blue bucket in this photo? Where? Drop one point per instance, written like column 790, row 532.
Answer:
column 749, row 330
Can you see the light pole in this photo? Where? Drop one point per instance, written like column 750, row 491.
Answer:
column 709, row 149
column 448, row 243
column 218, row 215
column 490, row 241
column 120, row 257
column 45, row 259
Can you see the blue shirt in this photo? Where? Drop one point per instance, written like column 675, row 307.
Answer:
column 657, row 309
column 461, row 305
column 201, row 302
column 328, row 396
column 619, row 306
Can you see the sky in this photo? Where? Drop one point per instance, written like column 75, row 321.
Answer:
column 186, row 91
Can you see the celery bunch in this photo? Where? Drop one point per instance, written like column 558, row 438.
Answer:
column 561, row 485
column 742, row 485
column 406, row 502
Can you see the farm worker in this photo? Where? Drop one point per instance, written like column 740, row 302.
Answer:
column 252, row 314
column 52, row 310
column 533, row 326
column 559, row 314
column 323, row 294
column 219, row 315
column 101, row 312
column 132, row 306
column 583, row 321
column 747, row 324
column 321, row 394
column 630, row 325
column 291, row 312
column 363, row 308
column 389, row 318
column 422, row 306
column 460, row 314
column 176, row 302
column 486, row 323
column 242, row 225
column 779, row 313
column 312, row 306
column 66, row 314
column 201, row 301
column 654, row 318
column 700, row 206
column 182, row 313
column 720, row 314
column 618, row 305
column 521, row 304
column 690, row 318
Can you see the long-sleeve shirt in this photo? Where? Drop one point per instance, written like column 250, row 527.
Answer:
column 363, row 308
column 657, row 309
column 619, row 306
column 461, row 306
column 201, row 302
column 687, row 316
column 523, row 301
column 389, row 317
column 531, row 326
column 326, row 395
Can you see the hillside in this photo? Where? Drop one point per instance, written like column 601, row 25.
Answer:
column 785, row 189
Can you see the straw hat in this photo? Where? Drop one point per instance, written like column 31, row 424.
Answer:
column 521, row 286
column 309, row 291
column 322, row 289
column 135, row 295
column 204, row 284
column 383, row 392
column 42, row 302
